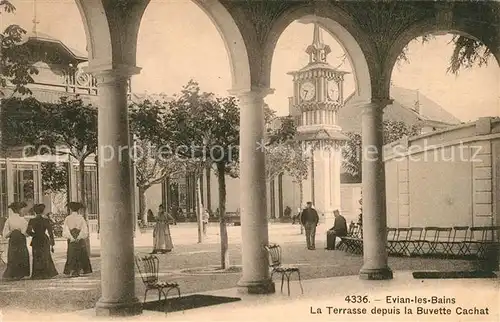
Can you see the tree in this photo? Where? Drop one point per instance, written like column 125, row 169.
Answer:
column 205, row 128
column 15, row 62
column 352, row 149
column 54, row 177
column 286, row 155
column 68, row 127
column 151, row 164
column 467, row 53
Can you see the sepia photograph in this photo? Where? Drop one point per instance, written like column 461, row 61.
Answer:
column 249, row 160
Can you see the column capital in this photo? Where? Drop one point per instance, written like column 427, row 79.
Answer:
column 253, row 93
column 374, row 105
column 109, row 72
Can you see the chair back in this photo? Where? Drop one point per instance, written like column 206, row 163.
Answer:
column 148, row 266
column 274, row 253
column 404, row 234
column 391, row 233
column 443, row 234
column 416, row 233
column 486, row 233
column 460, row 233
column 430, row 233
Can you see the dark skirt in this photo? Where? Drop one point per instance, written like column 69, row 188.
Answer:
column 43, row 266
column 77, row 259
column 18, row 260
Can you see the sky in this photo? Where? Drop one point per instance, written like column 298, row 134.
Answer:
column 178, row 42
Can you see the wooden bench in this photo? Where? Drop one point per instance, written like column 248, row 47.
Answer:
column 233, row 218
column 353, row 241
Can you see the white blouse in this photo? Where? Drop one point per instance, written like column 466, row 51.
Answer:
column 75, row 221
column 14, row 222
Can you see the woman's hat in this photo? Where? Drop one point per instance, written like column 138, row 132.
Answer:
column 39, row 208
column 75, row 206
column 16, row 206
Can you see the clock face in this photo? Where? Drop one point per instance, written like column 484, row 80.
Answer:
column 307, row 91
column 333, row 90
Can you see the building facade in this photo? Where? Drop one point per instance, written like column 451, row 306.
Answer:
column 454, row 170
column 60, row 73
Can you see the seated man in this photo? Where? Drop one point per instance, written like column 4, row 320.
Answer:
column 339, row 229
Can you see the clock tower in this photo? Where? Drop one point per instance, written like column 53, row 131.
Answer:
column 318, row 95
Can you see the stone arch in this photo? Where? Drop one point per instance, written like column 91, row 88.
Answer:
column 340, row 26
column 458, row 26
column 97, row 31
column 233, row 41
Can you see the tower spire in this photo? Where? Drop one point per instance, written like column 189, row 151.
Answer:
column 318, row 50
column 35, row 20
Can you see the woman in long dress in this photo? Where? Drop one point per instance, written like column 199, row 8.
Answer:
column 75, row 230
column 41, row 243
column 161, row 234
column 18, row 261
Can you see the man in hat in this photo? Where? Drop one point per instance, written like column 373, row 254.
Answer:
column 339, row 229
column 309, row 219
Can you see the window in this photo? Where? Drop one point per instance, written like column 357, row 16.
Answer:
column 91, row 192
column 3, row 190
column 26, row 183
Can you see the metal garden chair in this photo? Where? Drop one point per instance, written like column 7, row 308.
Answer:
column 441, row 243
column 148, row 266
column 458, row 245
column 488, row 237
column 414, row 242
column 391, row 240
column 274, row 253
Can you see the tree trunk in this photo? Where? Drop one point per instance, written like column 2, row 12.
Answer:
column 301, row 198
column 200, row 209
column 142, row 202
column 272, row 195
column 81, row 168
column 280, row 195
column 209, row 194
column 224, row 249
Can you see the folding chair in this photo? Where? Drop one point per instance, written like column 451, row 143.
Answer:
column 391, row 240
column 402, row 242
column 415, row 241
column 458, row 245
column 274, row 253
column 486, row 239
column 148, row 266
column 441, row 242
column 427, row 245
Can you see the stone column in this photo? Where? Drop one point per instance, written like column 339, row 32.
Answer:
column 255, row 278
column 115, row 193
column 375, row 265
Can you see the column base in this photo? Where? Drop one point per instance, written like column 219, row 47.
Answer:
column 118, row 309
column 375, row 274
column 259, row 287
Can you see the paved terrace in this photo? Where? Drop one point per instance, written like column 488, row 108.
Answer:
column 328, row 277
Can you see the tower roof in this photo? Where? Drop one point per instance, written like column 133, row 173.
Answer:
column 36, row 37
column 318, row 52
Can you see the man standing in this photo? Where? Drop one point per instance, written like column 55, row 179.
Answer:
column 309, row 220
column 206, row 216
column 339, row 229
